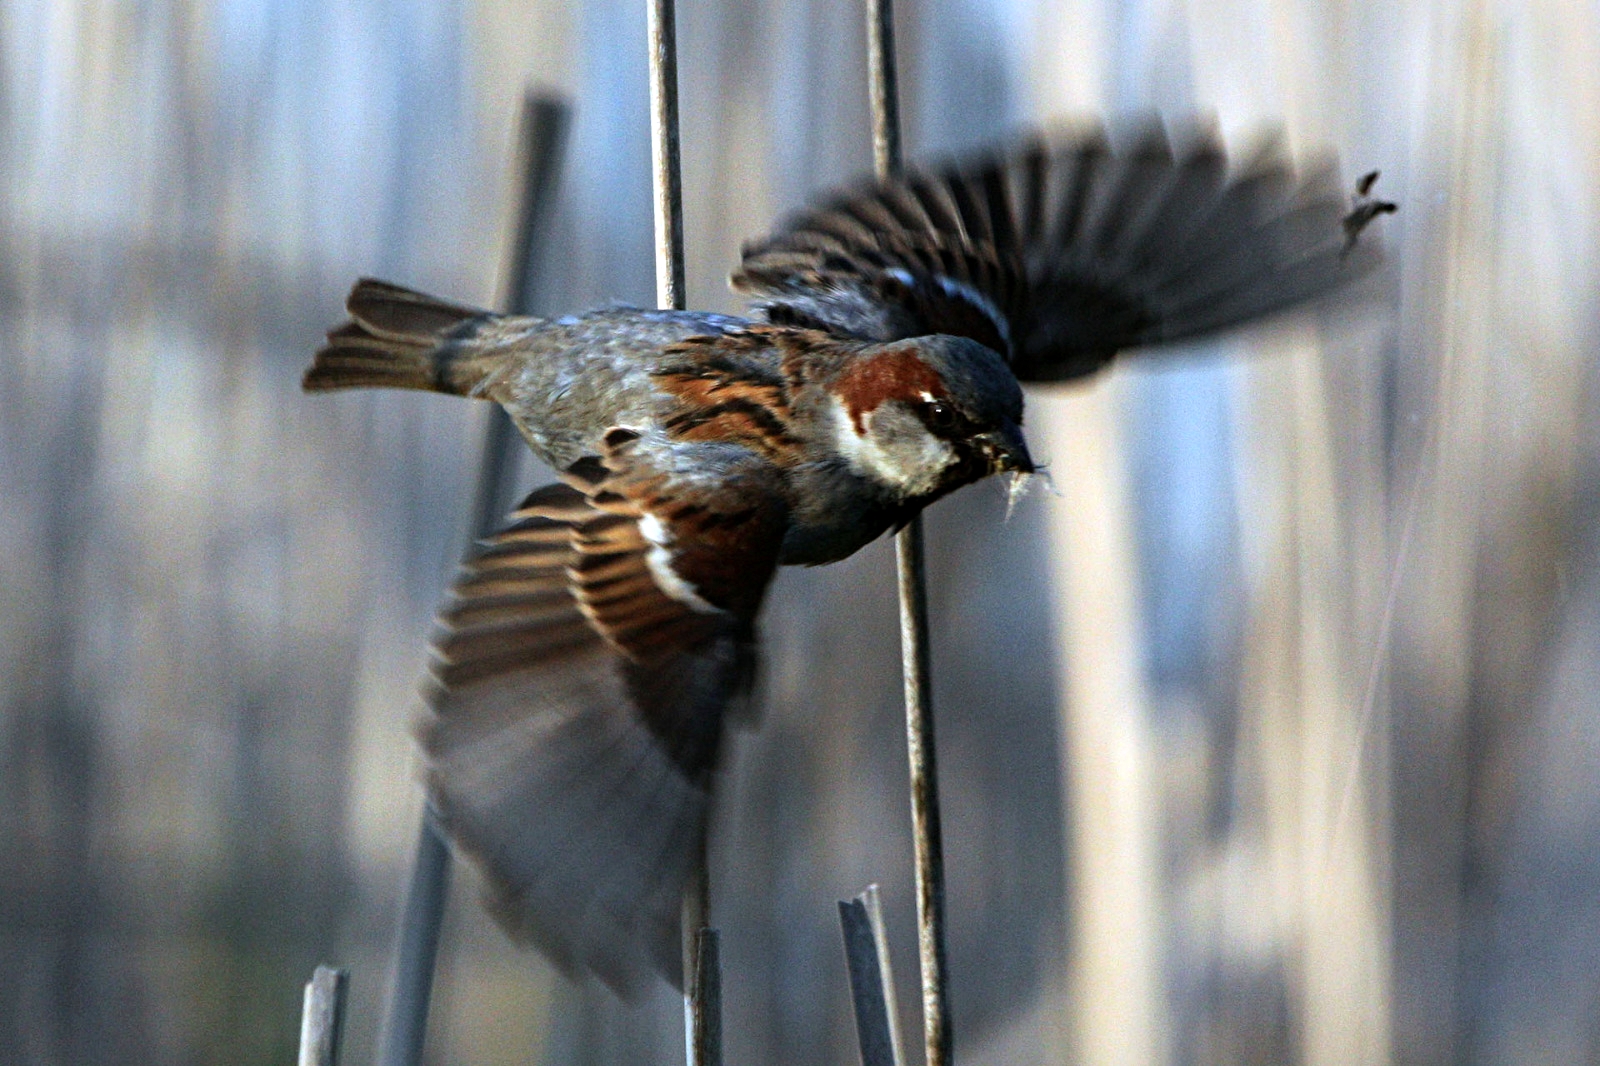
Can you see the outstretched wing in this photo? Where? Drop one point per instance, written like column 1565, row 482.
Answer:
column 1061, row 251
column 586, row 663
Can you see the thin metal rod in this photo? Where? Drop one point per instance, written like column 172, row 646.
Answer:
column 704, row 1024
column 666, row 176
column 884, row 87
column 926, row 834
column 702, row 989
column 322, row 1017
column 405, row 1024
column 866, row 950
column 702, row 978
column 914, row 653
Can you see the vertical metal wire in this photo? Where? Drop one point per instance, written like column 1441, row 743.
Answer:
column 322, row 1017
column 705, row 1014
column 702, row 992
column 914, row 619
column 926, row 833
column 667, row 178
column 405, row 1022
column 884, row 88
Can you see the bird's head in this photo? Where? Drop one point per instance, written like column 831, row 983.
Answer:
column 926, row 416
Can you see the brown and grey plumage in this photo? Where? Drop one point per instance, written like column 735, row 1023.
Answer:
column 1061, row 252
column 579, row 703
column 593, row 650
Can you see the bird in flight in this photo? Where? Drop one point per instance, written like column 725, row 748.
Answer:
column 593, row 650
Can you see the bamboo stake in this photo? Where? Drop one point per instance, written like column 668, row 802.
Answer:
column 866, row 950
column 915, row 661
column 405, row 1024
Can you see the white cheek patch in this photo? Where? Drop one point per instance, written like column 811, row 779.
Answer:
column 659, row 560
column 913, row 467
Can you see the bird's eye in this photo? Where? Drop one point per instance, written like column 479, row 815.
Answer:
column 939, row 416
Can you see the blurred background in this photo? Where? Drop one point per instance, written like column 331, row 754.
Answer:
column 1270, row 736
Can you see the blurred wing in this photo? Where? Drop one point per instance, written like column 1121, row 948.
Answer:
column 587, row 658
column 1060, row 252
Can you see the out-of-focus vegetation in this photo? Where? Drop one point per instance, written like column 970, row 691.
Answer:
column 1269, row 737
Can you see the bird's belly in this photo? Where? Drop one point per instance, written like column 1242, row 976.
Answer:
column 839, row 525
column 815, row 545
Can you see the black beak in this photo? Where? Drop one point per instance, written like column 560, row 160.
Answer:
column 1006, row 450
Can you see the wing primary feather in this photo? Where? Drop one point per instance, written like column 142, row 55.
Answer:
column 1126, row 188
column 1078, row 167
column 578, row 706
column 1030, row 175
column 1061, row 251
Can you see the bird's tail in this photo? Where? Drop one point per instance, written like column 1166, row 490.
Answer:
column 400, row 339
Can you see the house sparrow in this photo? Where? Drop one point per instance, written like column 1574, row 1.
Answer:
column 592, row 650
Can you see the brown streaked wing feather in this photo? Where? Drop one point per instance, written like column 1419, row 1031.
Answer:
column 578, row 705
column 730, row 391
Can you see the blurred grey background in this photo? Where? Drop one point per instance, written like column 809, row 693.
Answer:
column 1269, row 736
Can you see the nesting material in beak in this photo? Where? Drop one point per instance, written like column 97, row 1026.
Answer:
column 1006, row 451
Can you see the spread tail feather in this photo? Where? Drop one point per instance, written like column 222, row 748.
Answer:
column 396, row 338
